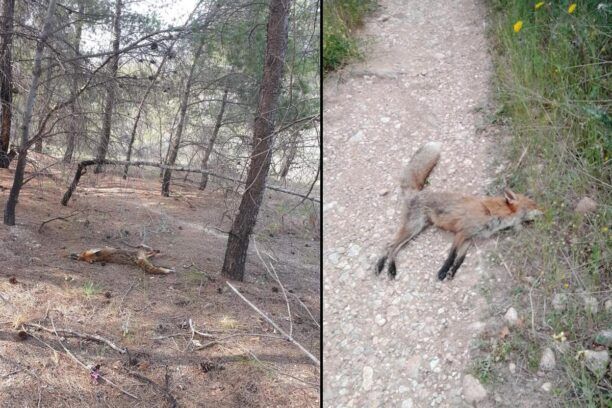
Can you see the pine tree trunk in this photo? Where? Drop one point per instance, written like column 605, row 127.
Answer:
column 11, row 203
column 213, row 138
column 6, row 80
column 74, row 124
column 111, row 89
column 48, row 95
column 276, row 48
column 176, row 140
column 290, row 156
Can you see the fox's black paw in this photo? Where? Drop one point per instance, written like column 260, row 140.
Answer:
column 442, row 275
column 380, row 265
column 392, row 271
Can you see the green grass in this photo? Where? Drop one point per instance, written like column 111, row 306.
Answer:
column 553, row 82
column 340, row 18
column 90, row 289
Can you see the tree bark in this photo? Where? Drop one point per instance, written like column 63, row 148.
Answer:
column 74, row 124
column 11, row 203
column 290, row 156
column 6, row 80
column 213, row 138
column 111, row 90
column 48, row 95
column 176, row 140
column 263, row 135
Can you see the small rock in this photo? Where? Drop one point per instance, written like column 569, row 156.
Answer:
column 383, row 192
column 412, row 367
column 393, row 311
column 586, row 205
column 590, row 304
column 380, row 320
column 434, row 363
column 596, row 361
column 608, row 305
column 477, row 328
column 604, row 338
column 353, row 250
column 385, row 120
column 368, row 376
column 473, row 391
column 547, row 386
column 407, row 403
column 357, row 137
column 511, row 316
column 329, row 206
column 334, row 257
column 559, row 302
column 547, row 362
column 512, row 368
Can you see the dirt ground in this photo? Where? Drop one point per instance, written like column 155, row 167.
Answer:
column 149, row 315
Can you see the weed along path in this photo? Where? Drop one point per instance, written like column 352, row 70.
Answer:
column 407, row 342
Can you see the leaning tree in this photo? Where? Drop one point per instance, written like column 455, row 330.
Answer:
column 263, row 138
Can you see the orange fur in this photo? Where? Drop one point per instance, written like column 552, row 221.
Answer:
column 139, row 258
column 468, row 217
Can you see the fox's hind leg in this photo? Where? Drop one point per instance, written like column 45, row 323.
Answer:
column 409, row 229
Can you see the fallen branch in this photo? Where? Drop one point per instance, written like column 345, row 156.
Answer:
column 81, row 169
column 274, row 275
column 164, row 390
column 57, row 218
column 194, row 331
column 71, row 333
column 273, row 367
column 219, row 340
column 281, row 331
column 84, row 366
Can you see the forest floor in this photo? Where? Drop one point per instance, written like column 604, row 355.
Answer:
column 150, row 315
column 412, row 341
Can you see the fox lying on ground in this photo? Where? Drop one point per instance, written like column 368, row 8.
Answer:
column 139, row 258
column 468, row 217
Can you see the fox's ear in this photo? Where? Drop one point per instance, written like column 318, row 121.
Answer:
column 509, row 195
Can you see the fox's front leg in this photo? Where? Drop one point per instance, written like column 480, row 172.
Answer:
column 455, row 257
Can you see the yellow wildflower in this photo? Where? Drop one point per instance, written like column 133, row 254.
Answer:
column 566, row 285
column 517, row 26
column 538, row 5
column 571, row 8
column 560, row 337
column 604, row 229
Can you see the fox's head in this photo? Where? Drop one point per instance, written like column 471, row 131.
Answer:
column 524, row 206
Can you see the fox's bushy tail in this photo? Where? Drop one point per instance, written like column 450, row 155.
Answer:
column 419, row 167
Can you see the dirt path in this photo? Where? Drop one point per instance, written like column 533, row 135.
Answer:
column 404, row 342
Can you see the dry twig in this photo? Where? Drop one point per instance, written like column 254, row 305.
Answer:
column 281, row 331
column 277, row 279
column 164, row 390
column 72, row 333
column 57, row 218
column 79, row 362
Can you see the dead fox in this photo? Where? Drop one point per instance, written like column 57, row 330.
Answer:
column 139, row 258
column 468, row 217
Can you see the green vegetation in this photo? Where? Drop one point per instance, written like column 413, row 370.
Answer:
column 90, row 289
column 340, row 18
column 553, row 77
